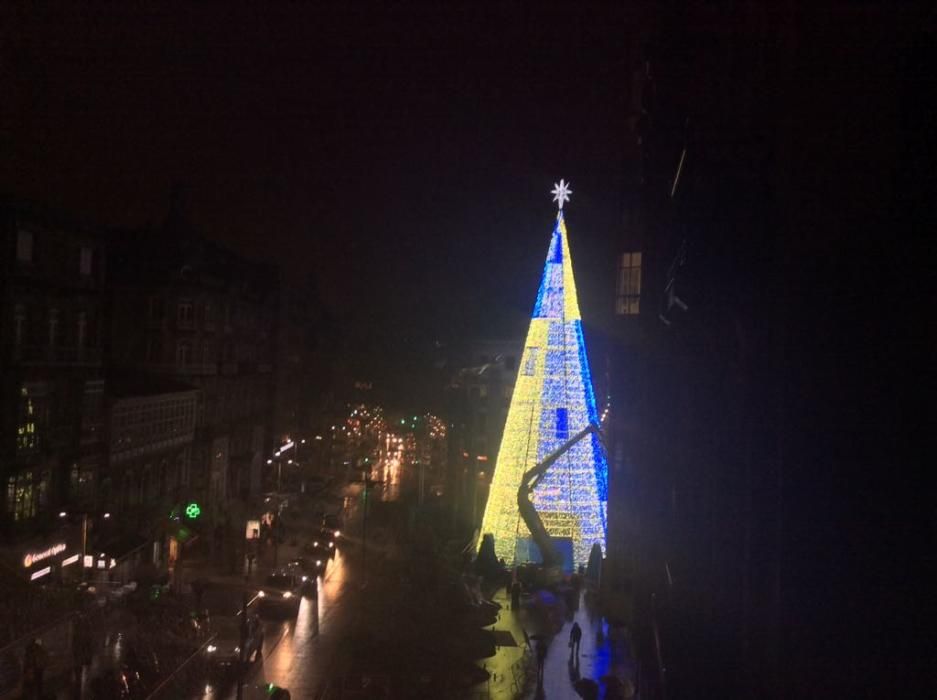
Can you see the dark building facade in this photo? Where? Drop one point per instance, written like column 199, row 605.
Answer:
column 752, row 407
column 185, row 307
column 305, row 361
column 52, row 311
column 151, row 423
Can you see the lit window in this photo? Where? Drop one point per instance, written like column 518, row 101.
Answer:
column 628, row 301
column 21, row 496
column 24, row 246
column 84, row 261
column 30, row 415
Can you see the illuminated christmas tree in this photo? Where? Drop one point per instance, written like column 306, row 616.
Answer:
column 553, row 400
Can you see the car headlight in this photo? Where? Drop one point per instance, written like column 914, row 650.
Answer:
column 211, row 649
column 305, row 578
column 315, row 544
column 337, row 533
column 318, row 562
column 287, row 594
column 237, row 650
column 261, row 594
column 331, row 544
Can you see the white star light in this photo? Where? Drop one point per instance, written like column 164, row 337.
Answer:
column 561, row 192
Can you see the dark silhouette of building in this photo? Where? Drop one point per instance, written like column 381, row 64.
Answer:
column 52, row 310
column 774, row 190
column 151, row 423
column 188, row 308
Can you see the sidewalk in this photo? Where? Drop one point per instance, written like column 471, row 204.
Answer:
column 110, row 625
column 514, row 669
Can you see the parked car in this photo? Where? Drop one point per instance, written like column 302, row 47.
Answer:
column 224, row 650
column 281, row 593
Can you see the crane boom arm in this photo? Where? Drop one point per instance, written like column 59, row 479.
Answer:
column 530, row 480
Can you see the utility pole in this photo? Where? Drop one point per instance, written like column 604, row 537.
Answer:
column 364, row 526
column 303, row 471
column 243, row 647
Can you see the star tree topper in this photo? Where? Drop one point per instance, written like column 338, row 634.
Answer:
column 561, row 192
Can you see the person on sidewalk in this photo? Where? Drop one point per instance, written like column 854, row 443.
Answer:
column 516, row 595
column 542, row 647
column 575, row 637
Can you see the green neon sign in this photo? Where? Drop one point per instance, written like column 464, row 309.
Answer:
column 193, row 510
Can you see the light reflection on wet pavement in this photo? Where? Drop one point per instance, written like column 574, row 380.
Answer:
column 298, row 654
column 596, row 658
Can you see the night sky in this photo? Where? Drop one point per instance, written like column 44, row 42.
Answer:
column 404, row 157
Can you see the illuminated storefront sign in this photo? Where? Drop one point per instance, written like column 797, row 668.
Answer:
column 32, row 557
column 40, row 573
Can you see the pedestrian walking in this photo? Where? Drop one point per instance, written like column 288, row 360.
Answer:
column 575, row 637
column 542, row 647
column 515, row 595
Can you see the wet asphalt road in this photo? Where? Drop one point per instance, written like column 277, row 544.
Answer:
column 300, row 654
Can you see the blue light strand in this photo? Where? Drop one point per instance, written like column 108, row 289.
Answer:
column 554, row 380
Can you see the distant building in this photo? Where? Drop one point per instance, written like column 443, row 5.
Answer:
column 52, row 309
column 151, row 422
column 188, row 308
column 151, row 430
column 478, row 396
column 304, row 363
